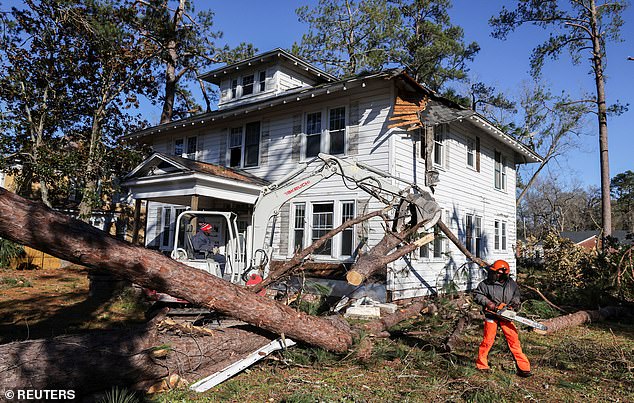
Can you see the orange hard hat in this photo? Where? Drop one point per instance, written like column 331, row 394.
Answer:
column 501, row 265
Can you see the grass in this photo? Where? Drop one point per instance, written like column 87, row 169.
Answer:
column 14, row 282
column 587, row 363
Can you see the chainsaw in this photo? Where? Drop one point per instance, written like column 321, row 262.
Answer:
column 507, row 314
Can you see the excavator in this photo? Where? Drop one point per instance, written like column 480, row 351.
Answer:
column 236, row 254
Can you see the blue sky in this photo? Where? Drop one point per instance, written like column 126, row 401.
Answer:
column 503, row 64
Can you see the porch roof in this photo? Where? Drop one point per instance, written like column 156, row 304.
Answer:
column 172, row 179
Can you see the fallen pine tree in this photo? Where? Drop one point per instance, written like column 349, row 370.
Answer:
column 80, row 243
column 580, row 317
column 41, row 363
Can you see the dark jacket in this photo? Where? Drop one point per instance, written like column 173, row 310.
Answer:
column 201, row 242
column 506, row 292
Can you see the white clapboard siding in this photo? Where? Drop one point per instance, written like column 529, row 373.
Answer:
column 461, row 191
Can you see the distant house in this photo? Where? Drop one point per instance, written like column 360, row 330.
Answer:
column 277, row 111
column 590, row 239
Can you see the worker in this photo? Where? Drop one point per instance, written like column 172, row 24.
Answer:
column 496, row 292
column 201, row 242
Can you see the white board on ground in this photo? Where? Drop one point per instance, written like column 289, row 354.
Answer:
column 212, row 380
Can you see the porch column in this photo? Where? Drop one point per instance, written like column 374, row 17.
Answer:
column 136, row 222
column 194, row 206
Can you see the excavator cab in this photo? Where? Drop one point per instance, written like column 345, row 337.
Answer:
column 218, row 251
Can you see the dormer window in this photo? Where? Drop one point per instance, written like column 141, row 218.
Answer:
column 247, row 85
column 234, row 88
column 262, row 81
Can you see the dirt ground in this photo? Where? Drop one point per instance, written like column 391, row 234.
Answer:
column 587, row 363
column 45, row 303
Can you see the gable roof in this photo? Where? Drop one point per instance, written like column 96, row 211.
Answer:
column 169, row 164
column 216, row 75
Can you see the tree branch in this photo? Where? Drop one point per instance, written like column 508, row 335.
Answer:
column 298, row 258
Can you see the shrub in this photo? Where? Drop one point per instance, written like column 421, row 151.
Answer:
column 9, row 251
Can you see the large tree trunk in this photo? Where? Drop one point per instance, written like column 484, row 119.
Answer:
column 140, row 356
column 581, row 317
column 80, row 243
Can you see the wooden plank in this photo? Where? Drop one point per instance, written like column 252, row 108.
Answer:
column 401, row 110
column 404, row 116
column 405, row 123
column 209, row 382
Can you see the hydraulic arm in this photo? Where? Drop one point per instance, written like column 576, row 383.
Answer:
column 412, row 203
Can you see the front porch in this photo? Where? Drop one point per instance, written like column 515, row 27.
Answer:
column 172, row 185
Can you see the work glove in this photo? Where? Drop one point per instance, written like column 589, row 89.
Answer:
column 491, row 306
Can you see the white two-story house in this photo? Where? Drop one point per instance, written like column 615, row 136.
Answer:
column 276, row 111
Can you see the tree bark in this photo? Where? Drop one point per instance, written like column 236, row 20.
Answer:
column 80, row 243
column 141, row 356
column 581, row 317
column 459, row 244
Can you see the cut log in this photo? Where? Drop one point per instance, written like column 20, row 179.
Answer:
column 581, row 317
column 80, row 243
column 378, row 257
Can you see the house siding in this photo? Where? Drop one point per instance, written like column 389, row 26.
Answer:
column 461, row 190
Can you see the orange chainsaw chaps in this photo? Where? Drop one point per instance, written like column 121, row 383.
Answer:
column 512, row 339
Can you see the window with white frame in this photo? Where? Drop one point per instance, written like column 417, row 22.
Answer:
column 244, row 146
column 323, row 214
column 471, row 153
column 247, row 85
column 439, row 144
column 347, row 235
column 312, row 220
column 234, row 88
column 299, row 223
column 473, row 234
column 435, row 248
column 313, row 134
column 500, row 235
column 325, row 132
column 252, row 144
column 261, row 81
column 186, row 147
column 477, row 234
column 235, row 147
column 469, row 232
column 168, row 224
column 179, row 147
column 337, row 130
column 500, row 171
